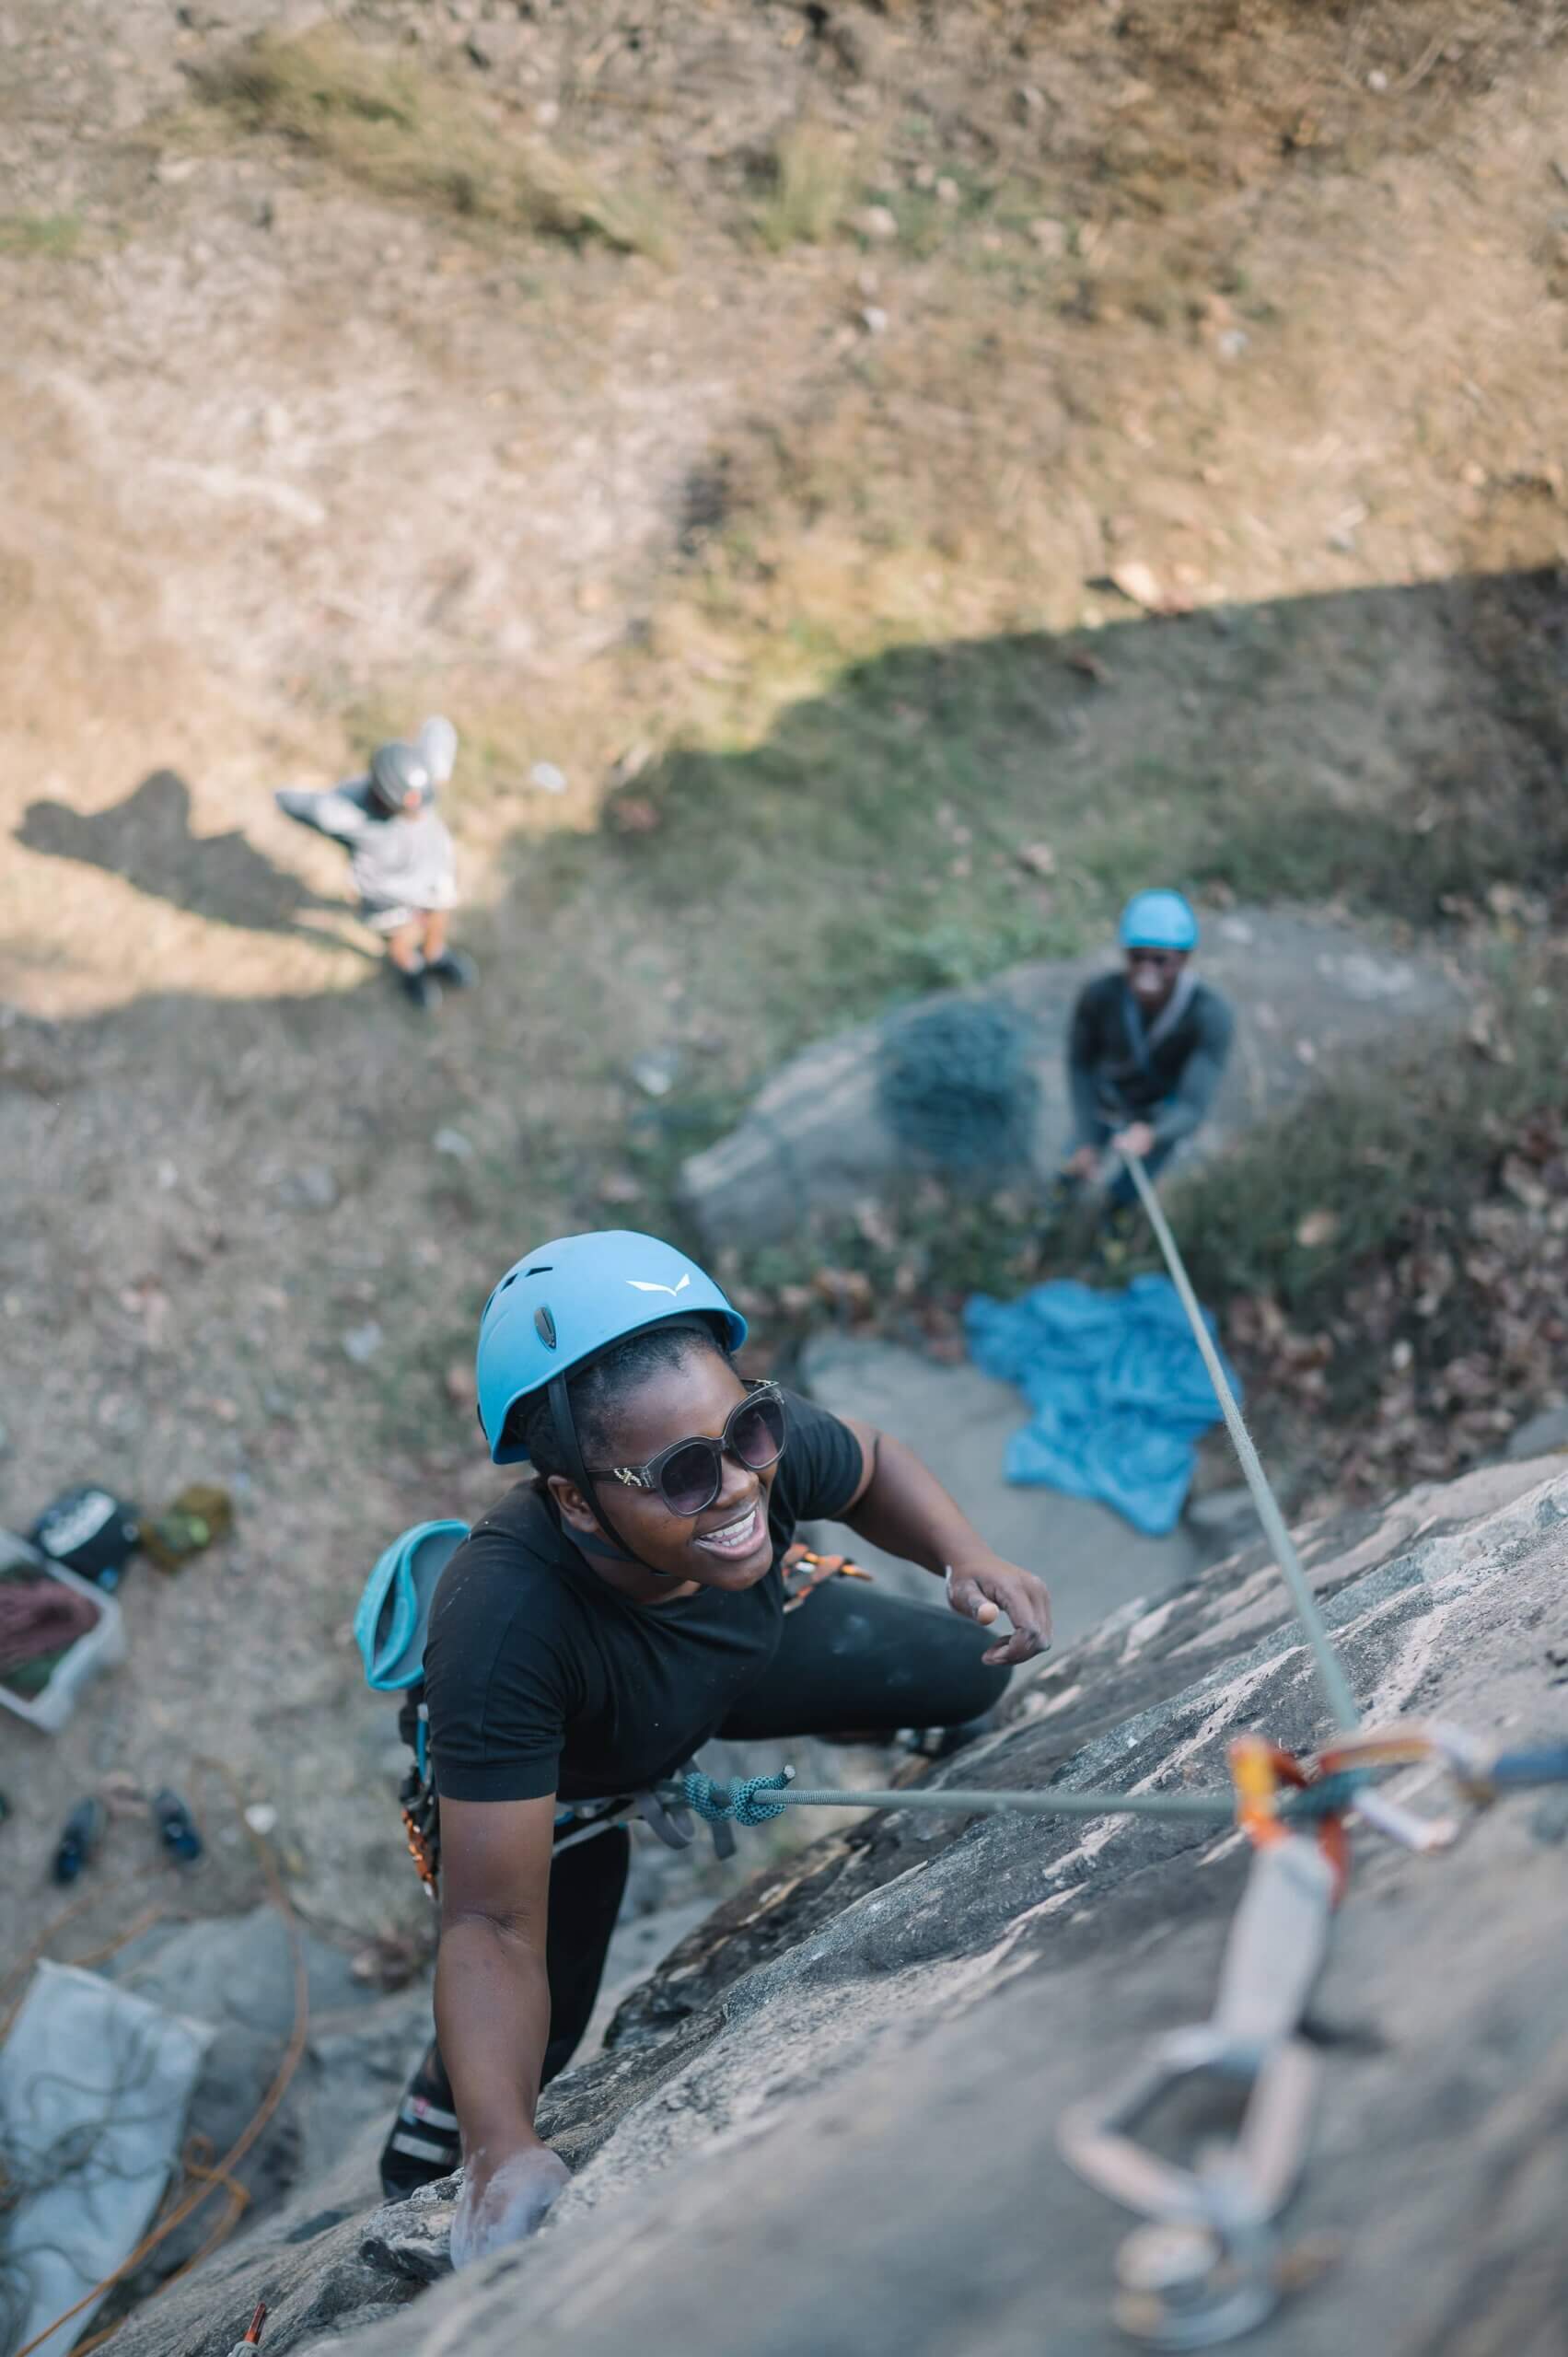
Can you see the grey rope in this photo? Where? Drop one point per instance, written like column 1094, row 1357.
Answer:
column 1336, row 1685
column 1209, row 1806
column 752, row 1799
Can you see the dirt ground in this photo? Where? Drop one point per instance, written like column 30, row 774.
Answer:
column 1243, row 306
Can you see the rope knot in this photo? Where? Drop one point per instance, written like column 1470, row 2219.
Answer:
column 715, row 1802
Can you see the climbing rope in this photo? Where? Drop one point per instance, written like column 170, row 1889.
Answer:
column 1336, row 1685
column 742, row 1802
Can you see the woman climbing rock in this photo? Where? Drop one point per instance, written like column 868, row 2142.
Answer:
column 610, row 1615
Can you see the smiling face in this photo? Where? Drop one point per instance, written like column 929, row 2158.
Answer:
column 1152, row 976
column 726, row 1546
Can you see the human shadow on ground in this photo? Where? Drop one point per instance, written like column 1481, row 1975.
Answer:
column 148, row 840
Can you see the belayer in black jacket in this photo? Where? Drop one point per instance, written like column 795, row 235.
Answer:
column 1147, row 1045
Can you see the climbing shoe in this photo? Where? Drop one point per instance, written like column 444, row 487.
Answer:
column 420, row 987
column 423, row 2145
column 455, row 967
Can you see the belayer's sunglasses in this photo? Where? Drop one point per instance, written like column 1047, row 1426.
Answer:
column 688, row 1475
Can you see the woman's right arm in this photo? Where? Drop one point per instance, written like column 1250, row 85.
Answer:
column 492, row 2012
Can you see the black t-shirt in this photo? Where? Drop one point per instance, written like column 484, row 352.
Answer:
column 541, row 1679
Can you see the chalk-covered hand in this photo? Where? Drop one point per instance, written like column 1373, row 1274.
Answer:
column 984, row 1587
column 505, row 2204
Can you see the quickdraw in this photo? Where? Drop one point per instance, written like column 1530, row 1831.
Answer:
column 804, row 1572
column 422, row 1823
column 1209, row 2265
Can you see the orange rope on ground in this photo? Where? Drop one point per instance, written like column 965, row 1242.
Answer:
column 217, row 2176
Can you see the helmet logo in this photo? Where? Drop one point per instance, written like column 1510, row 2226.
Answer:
column 644, row 1284
column 544, row 1326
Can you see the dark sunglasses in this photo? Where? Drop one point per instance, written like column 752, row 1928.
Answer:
column 688, row 1475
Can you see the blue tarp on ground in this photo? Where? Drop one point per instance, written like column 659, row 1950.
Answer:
column 1119, row 1392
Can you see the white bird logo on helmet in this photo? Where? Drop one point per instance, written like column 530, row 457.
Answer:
column 646, row 1284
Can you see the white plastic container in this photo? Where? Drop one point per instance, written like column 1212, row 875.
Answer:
column 100, row 1647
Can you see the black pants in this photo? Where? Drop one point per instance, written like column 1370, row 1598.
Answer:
column 851, row 1661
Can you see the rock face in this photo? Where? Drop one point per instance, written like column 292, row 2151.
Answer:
column 826, row 2123
column 1308, row 993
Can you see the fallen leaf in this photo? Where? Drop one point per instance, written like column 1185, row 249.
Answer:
column 634, row 815
column 1319, row 1227
column 1038, row 858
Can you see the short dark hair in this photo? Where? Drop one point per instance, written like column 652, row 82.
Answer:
column 597, row 1390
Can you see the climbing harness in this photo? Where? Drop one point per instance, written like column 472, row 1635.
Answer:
column 390, row 1627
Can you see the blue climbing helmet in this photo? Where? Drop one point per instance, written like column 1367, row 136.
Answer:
column 1159, row 920
column 565, row 1302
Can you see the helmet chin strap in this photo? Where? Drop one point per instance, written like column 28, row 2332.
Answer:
column 565, row 1425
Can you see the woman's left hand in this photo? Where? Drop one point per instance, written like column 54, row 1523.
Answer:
column 985, row 1586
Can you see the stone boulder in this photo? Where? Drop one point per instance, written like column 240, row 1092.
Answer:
column 827, row 2122
column 1310, row 994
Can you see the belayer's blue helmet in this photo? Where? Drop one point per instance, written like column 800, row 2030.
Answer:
column 568, row 1301
column 1159, row 920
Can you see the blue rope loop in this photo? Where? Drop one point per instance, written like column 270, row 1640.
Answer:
column 717, row 1803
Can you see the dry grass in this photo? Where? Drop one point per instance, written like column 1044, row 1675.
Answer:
column 410, row 133
column 812, row 176
column 55, row 235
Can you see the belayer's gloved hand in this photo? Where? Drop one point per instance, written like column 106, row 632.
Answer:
column 505, row 2204
column 985, row 1588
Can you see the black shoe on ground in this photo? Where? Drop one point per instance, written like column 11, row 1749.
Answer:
column 455, row 967
column 422, row 2146
column 420, row 987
